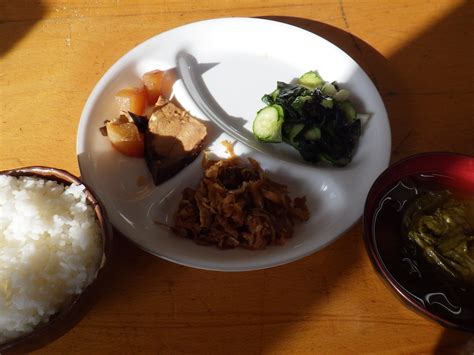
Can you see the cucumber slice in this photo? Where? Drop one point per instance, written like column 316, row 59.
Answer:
column 275, row 94
column 342, row 95
column 311, row 80
column 294, row 131
column 313, row 134
column 299, row 102
column 281, row 113
column 270, row 99
column 329, row 89
column 349, row 110
column 267, row 124
column 328, row 103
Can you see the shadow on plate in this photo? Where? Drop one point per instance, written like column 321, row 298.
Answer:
column 223, row 121
column 198, row 70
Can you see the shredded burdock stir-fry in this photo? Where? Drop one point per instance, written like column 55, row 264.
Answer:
column 237, row 205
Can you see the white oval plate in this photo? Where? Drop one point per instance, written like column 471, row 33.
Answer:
column 251, row 55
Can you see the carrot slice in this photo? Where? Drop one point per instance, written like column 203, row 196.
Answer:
column 126, row 138
column 153, row 81
column 169, row 78
column 132, row 99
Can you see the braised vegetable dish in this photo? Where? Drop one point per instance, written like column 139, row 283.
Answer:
column 153, row 127
column 237, row 205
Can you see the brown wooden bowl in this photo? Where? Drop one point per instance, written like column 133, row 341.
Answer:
column 70, row 315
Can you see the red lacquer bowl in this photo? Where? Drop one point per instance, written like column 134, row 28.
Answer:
column 429, row 293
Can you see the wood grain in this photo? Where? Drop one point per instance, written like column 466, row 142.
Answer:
column 419, row 54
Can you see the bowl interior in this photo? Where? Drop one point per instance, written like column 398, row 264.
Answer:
column 71, row 314
column 419, row 284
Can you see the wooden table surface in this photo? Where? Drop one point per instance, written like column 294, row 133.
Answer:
column 418, row 53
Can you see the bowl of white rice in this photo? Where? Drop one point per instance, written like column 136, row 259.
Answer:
column 55, row 244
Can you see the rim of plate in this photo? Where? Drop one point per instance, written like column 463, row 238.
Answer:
column 214, row 266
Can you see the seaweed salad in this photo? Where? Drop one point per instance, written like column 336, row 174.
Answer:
column 313, row 116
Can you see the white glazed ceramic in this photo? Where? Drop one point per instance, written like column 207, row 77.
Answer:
column 243, row 58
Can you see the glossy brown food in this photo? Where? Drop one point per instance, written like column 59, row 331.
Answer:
column 152, row 81
column 126, row 138
column 237, row 205
column 173, row 140
column 132, row 99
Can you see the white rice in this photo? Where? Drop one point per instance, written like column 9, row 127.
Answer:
column 50, row 250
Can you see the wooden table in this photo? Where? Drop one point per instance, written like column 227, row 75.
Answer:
column 419, row 54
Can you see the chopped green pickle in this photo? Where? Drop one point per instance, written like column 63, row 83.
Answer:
column 443, row 228
column 314, row 116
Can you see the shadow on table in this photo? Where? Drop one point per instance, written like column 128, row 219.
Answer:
column 15, row 27
column 406, row 81
column 455, row 342
column 185, row 314
column 422, row 73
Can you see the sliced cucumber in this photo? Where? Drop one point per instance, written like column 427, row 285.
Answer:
column 342, row 95
column 311, row 80
column 328, row 103
column 270, row 99
column 329, row 89
column 275, row 94
column 267, row 124
column 299, row 102
column 294, row 131
column 281, row 113
column 313, row 134
column 349, row 110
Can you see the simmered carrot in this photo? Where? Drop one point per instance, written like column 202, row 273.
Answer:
column 126, row 138
column 152, row 81
column 132, row 99
column 169, row 78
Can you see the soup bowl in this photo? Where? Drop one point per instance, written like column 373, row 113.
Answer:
column 419, row 284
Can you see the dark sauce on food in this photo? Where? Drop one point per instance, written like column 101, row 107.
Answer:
column 432, row 289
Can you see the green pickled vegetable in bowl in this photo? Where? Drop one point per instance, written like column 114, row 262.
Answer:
column 442, row 226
